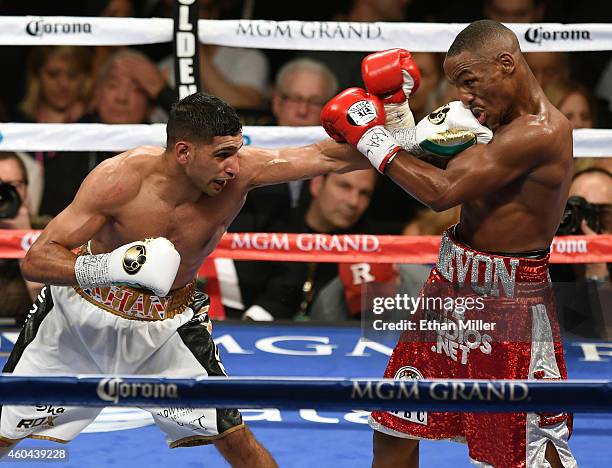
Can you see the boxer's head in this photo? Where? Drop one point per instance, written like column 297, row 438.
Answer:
column 204, row 134
column 486, row 65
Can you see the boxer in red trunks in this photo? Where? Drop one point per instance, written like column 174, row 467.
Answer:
column 512, row 193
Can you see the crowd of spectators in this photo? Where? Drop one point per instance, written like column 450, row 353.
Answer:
column 121, row 85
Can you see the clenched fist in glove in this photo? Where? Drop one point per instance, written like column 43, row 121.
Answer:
column 151, row 264
column 393, row 77
column 357, row 117
column 445, row 132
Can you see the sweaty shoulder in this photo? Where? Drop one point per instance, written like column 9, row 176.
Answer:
column 544, row 135
column 117, row 180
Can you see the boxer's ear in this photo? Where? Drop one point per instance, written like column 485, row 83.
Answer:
column 315, row 185
column 183, row 152
column 507, row 62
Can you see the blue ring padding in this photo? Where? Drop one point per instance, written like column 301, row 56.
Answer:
column 584, row 396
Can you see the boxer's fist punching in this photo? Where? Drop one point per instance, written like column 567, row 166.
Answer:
column 357, row 117
column 151, row 264
column 445, row 132
column 393, row 77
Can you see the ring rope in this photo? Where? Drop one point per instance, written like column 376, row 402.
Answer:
column 103, row 137
column 352, row 248
column 293, row 35
column 340, row 394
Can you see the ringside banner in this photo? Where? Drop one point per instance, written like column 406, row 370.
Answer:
column 350, row 248
column 292, row 35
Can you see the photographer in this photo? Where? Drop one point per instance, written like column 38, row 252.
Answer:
column 17, row 294
column 584, row 290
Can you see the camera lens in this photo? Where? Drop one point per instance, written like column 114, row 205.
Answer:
column 10, row 201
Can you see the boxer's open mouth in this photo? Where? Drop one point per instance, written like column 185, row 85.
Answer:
column 220, row 182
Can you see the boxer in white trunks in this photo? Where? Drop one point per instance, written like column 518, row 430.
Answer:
column 125, row 303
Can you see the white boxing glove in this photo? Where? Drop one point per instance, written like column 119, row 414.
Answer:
column 150, row 264
column 446, row 131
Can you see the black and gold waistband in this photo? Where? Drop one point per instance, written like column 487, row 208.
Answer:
column 138, row 304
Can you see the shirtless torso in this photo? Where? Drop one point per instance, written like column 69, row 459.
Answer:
column 512, row 191
column 144, row 193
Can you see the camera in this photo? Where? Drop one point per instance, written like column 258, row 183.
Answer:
column 577, row 209
column 10, row 201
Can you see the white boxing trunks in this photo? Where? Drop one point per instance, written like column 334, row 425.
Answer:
column 116, row 330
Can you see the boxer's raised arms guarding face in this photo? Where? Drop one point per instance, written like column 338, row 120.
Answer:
column 520, row 178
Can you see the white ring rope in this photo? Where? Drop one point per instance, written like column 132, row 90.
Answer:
column 101, row 137
column 293, row 35
column 298, row 35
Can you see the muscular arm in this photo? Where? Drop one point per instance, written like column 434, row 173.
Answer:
column 267, row 167
column 50, row 259
column 477, row 171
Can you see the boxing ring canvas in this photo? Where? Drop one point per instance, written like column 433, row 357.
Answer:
column 126, row 437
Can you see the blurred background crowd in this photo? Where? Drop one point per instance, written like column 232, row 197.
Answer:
column 120, row 85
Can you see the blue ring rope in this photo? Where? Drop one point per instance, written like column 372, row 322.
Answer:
column 593, row 396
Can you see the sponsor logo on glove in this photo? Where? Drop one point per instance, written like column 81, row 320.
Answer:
column 361, row 113
column 134, row 258
column 439, row 115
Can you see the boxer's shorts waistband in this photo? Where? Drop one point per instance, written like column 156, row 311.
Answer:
column 487, row 273
column 138, row 304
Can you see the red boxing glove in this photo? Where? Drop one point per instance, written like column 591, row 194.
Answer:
column 393, row 76
column 357, row 117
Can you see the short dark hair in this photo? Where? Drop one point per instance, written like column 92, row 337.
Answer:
column 478, row 35
column 10, row 156
column 200, row 117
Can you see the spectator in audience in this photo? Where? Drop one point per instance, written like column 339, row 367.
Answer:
column 36, row 182
column 574, row 101
column 287, row 290
column 238, row 76
column 117, row 99
column 578, row 105
column 302, row 88
column 595, row 186
column 58, row 84
column 549, row 67
column 265, row 289
column 584, row 291
column 338, row 205
column 17, row 294
column 145, row 74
